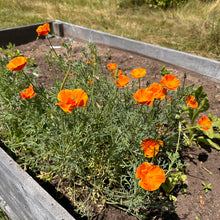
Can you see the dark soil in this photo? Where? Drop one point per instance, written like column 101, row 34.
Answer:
column 196, row 203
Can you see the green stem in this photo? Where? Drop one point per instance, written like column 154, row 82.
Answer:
column 65, row 78
column 112, row 111
column 92, row 95
column 50, row 68
column 177, row 148
column 51, row 46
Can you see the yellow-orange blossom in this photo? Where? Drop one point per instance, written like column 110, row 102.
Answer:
column 17, row 63
column 70, row 99
column 152, row 176
column 29, row 93
column 151, row 147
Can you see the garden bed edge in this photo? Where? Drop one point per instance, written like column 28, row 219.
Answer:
column 21, row 197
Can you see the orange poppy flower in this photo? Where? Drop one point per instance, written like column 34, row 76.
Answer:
column 43, row 29
column 170, row 82
column 112, row 66
column 122, row 81
column 149, row 146
column 138, row 73
column 17, row 63
column 190, row 101
column 70, row 99
column 158, row 90
column 29, row 93
column 205, row 123
column 144, row 96
column 152, row 176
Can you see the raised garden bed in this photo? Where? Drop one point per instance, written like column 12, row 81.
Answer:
column 202, row 207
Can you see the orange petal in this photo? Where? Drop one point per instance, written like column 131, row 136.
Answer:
column 138, row 73
column 205, row 122
column 17, row 63
column 152, row 176
column 170, row 82
column 80, row 97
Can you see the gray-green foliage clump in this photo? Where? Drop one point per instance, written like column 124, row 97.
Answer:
column 94, row 151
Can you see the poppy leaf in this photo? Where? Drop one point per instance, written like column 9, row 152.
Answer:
column 208, row 142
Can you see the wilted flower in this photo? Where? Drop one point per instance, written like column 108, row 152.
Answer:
column 138, row 73
column 170, row 82
column 152, row 176
column 29, row 93
column 144, row 96
column 122, row 81
column 17, row 63
column 190, row 101
column 205, row 123
column 150, row 147
column 70, row 99
column 43, row 29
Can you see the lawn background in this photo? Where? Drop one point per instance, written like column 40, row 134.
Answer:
column 192, row 28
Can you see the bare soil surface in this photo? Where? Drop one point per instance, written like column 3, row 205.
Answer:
column 196, row 203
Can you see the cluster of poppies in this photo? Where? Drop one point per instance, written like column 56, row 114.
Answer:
column 152, row 176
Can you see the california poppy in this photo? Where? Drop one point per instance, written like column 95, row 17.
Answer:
column 70, row 99
column 112, row 66
column 122, row 81
column 158, row 90
column 190, row 101
column 170, row 82
column 205, row 123
column 152, row 176
column 150, row 147
column 43, row 29
column 17, row 63
column 144, row 96
column 138, row 73
column 29, row 93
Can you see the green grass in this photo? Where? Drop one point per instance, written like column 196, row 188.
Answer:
column 193, row 28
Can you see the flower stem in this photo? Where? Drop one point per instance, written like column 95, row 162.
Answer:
column 65, row 78
column 51, row 46
column 175, row 155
